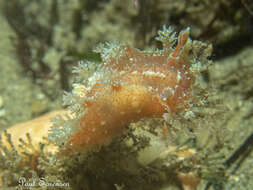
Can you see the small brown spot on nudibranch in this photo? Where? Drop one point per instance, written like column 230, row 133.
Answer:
column 116, row 87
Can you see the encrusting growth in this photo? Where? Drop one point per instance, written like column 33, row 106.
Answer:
column 128, row 85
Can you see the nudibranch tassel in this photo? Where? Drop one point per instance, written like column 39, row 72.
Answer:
column 168, row 38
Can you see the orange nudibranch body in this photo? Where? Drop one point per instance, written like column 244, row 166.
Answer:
column 131, row 84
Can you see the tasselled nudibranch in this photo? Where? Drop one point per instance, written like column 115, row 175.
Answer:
column 128, row 85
